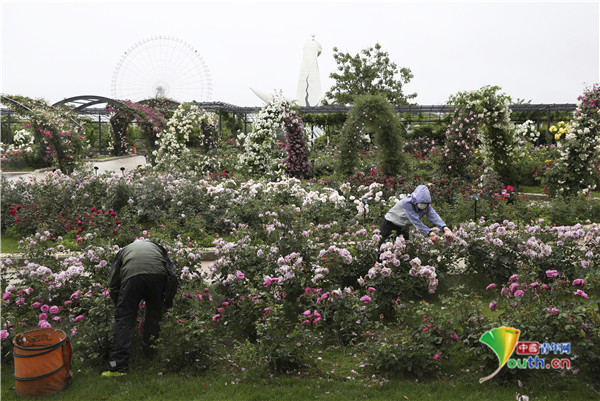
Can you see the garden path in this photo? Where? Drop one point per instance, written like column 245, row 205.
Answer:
column 112, row 164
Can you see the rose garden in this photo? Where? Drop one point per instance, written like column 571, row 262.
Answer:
column 298, row 286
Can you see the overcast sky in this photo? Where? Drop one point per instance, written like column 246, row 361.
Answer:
column 542, row 51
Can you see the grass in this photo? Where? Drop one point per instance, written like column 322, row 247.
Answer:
column 8, row 244
column 332, row 376
column 531, row 190
column 26, row 169
column 540, row 190
column 144, row 385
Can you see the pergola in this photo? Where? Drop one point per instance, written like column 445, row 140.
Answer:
column 83, row 105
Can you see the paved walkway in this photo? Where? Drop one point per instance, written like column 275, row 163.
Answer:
column 112, row 164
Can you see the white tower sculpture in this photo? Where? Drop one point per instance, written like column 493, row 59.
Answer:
column 309, row 82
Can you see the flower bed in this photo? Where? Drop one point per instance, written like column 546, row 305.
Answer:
column 297, row 270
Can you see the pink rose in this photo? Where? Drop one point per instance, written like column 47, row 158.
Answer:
column 239, row 275
column 44, row 308
column 552, row 311
column 43, row 316
column 371, row 289
column 519, row 293
column 3, row 334
column 79, row 318
column 493, row 305
column 54, row 309
column 551, row 273
column 6, row 295
column 216, row 318
column 581, row 294
column 36, row 305
column 489, row 287
column 579, row 283
column 366, row 299
column 44, row 324
column 437, row 357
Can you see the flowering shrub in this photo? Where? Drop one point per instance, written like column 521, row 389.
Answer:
column 551, row 306
column 150, row 118
column 488, row 110
column 461, row 144
column 496, row 250
column 295, row 145
column 20, row 152
column 188, row 126
column 372, row 121
column 260, row 154
column 57, row 136
column 577, row 169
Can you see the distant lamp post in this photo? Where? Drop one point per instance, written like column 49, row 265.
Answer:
column 123, row 171
column 96, row 170
column 476, row 199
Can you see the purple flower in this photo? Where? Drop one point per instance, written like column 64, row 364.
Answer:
column 366, row 299
column 551, row 273
column 493, row 305
column 44, row 308
column 54, row 309
column 581, row 294
column 6, row 295
column 489, row 287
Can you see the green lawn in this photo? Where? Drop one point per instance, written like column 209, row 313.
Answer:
column 334, row 374
column 8, row 245
column 531, row 190
column 139, row 385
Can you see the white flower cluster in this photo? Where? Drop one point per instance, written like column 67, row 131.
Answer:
column 185, row 122
column 580, row 149
column 23, row 139
column 526, row 133
column 260, row 144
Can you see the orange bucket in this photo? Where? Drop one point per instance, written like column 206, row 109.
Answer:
column 42, row 362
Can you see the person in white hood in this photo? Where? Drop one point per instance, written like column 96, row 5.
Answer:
column 409, row 211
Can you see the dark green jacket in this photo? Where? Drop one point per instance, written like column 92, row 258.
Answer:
column 142, row 257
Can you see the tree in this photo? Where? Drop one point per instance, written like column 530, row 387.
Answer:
column 369, row 72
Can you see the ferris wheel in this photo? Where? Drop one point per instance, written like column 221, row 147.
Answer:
column 161, row 66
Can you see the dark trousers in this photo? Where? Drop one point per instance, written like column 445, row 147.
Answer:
column 151, row 288
column 386, row 229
